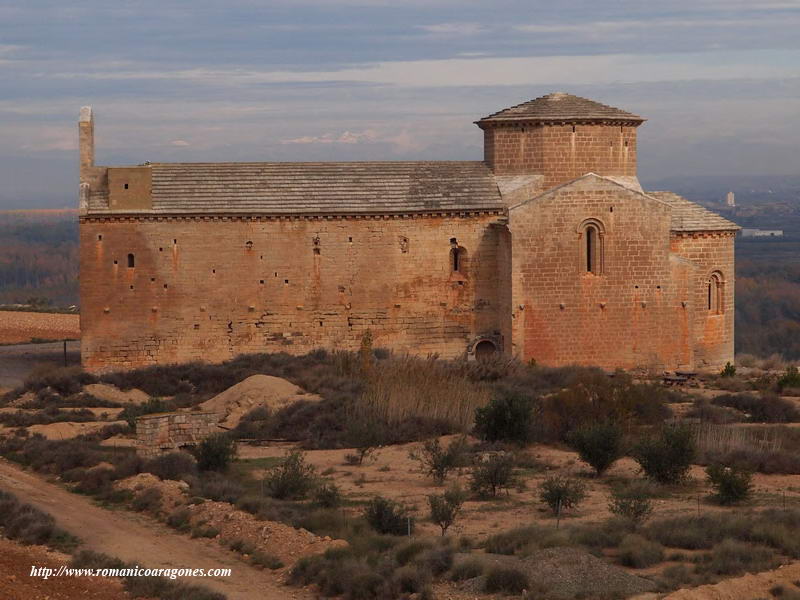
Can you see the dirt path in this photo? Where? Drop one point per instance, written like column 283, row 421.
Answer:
column 135, row 538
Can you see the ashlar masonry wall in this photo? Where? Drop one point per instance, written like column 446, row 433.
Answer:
column 165, row 432
column 158, row 289
column 627, row 314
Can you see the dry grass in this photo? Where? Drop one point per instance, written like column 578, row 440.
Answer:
column 723, row 440
column 404, row 388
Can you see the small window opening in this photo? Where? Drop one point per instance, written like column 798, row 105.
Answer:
column 573, row 129
column 125, row 186
column 591, row 249
column 286, row 281
column 261, row 281
column 116, row 262
column 457, row 260
column 316, row 251
column 161, row 249
column 131, row 261
column 626, row 143
column 100, row 237
column 131, row 287
column 213, row 270
column 175, row 242
column 715, row 293
column 610, row 209
column 350, row 239
column 165, row 286
column 248, row 244
column 152, row 279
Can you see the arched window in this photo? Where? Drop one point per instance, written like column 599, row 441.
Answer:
column 131, row 261
column 715, row 293
column 591, row 233
column 456, row 260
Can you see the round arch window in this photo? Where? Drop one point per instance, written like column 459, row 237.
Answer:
column 485, row 349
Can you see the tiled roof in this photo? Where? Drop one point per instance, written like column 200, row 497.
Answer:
column 323, row 188
column 689, row 216
column 561, row 107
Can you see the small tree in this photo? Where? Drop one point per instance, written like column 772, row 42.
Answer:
column 445, row 508
column 790, row 379
column 731, row 484
column 328, row 495
column 598, row 444
column 560, row 493
column 666, row 457
column 632, row 503
column 437, row 461
column 388, row 517
column 507, row 418
column 366, row 432
column 292, row 479
column 216, row 452
column 495, row 473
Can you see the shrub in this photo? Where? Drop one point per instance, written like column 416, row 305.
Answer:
column 598, row 444
column 731, row 557
column 445, row 508
column 411, row 579
column 632, row 503
column 769, row 408
column 467, row 569
column 179, row 519
column 638, row 552
column 667, row 456
column 328, row 495
column 507, row 418
column 148, row 500
column 495, row 473
column 790, row 379
column 731, row 484
column 560, row 493
column 505, row 579
column 205, row 531
column 410, row 550
column 437, row 560
column 388, row 517
column 216, row 452
column 291, row 480
column 28, row 525
column 217, row 487
column 172, row 465
column 728, row 370
column 437, row 461
column 133, row 411
column 265, row 559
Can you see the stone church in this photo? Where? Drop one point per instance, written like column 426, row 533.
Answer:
column 547, row 250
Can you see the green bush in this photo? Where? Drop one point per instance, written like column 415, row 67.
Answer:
column 731, row 484
column 172, row 465
column 638, row 552
column 327, row 495
column 148, row 500
column 216, row 452
column 667, row 456
column 179, row 519
column 495, row 473
column 732, row 557
column 507, row 418
column 265, row 559
column 790, row 379
column 28, row 525
column 437, row 461
column 632, row 502
column 205, row 531
column 598, row 444
column 388, row 517
column 560, row 493
column 293, row 479
column 445, row 508
column 768, row 408
column 505, row 579
column 467, row 569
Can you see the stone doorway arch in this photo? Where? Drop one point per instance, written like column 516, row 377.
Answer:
column 485, row 349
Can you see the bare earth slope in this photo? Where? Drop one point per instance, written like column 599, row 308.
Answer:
column 134, row 538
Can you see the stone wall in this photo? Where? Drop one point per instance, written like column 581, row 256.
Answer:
column 630, row 314
column 209, row 288
column 561, row 153
column 165, row 432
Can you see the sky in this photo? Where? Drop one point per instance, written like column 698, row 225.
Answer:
column 309, row 80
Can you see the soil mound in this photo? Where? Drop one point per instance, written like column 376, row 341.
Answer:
column 569, row 572
column 68, row 429
column 110, row 393
column 173, row 493
column 257, row 390
column 279, row 539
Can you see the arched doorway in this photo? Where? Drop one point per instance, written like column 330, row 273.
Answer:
column 485, row 349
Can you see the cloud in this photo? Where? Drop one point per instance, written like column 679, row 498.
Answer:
column 348, row 137
column 454, row 28
column 179, row 143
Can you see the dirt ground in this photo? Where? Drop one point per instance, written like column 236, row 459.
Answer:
column 135, row 538
column 16, row 582
column 393, row 474
column 18, row 326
